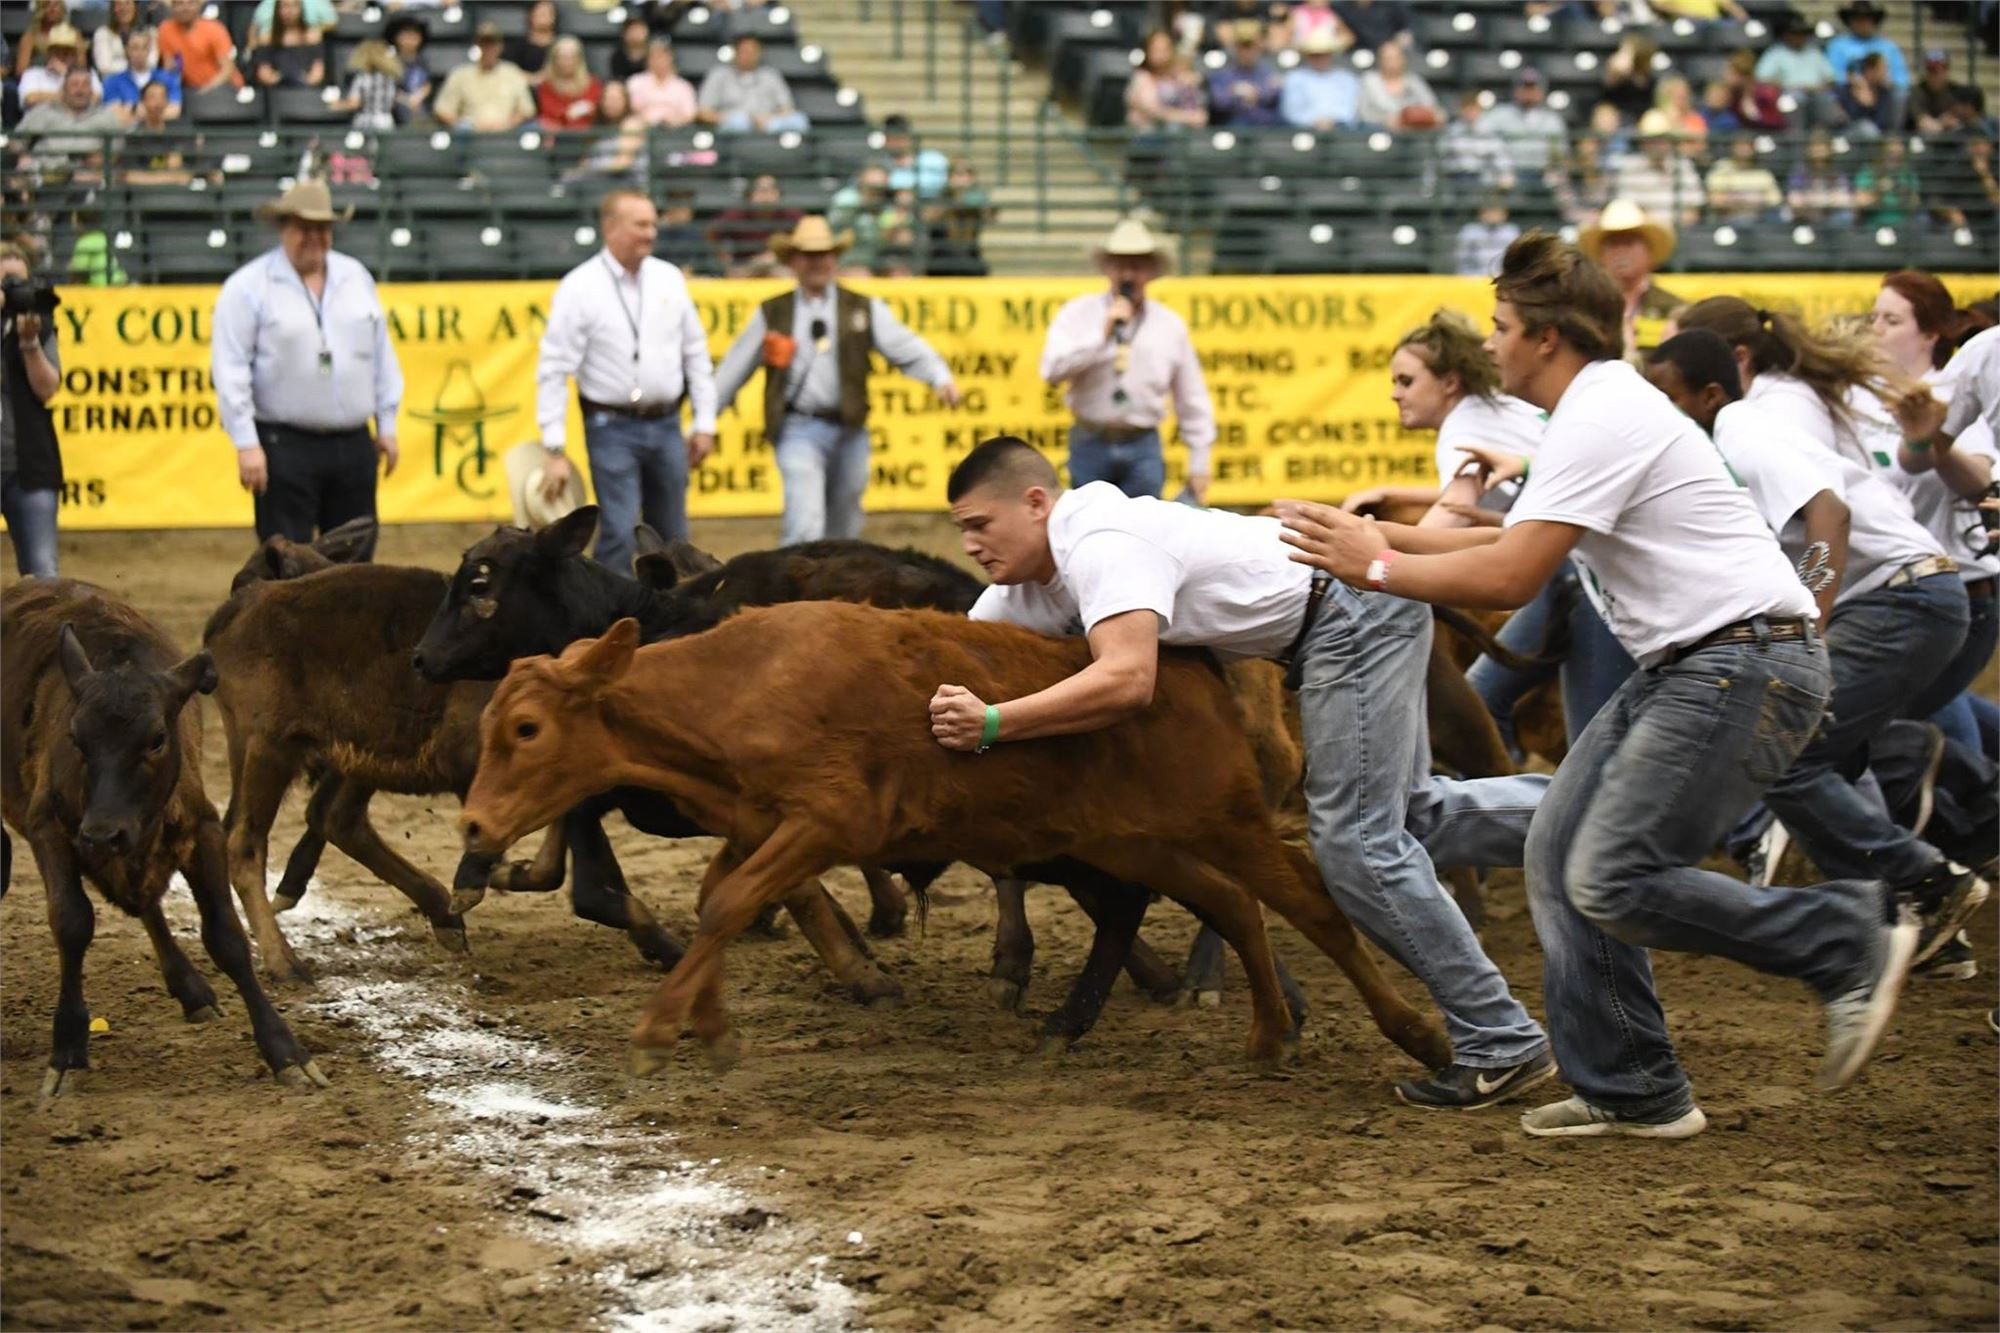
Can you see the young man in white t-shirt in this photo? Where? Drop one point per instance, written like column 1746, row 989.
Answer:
column 1133, row 572
column 1733, row 681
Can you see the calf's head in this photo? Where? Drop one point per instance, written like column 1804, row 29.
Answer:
column 281, row 558
column 126, row 730
column 545, row 743
column 505, row 601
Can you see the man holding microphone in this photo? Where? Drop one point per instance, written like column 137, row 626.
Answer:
column 1123, row 357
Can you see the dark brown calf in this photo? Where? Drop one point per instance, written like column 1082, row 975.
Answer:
column 100, row 769
column 800, row 733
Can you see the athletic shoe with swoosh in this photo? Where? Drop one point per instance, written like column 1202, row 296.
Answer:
column 1463, row 1088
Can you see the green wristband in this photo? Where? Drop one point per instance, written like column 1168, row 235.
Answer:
column 991, row 731
column 1922, row 446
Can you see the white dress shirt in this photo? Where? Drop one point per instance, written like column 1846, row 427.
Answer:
column 270, row 335
column 813, row 382
column 621, row 335
column 1162, row 367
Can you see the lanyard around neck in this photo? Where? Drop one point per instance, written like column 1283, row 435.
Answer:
column 637, row 309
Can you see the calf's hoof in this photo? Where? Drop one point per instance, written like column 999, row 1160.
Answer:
column 283, row 966
column 648, row 1061
column 305, row 1075
column 887, row 925
column 724, row 1052
column 877, row 991
column 1195, row 998
column 451, row 935
column 201, row 1013
column 464, row 900
column 1053, row 1047
column 284, row 901
column 56, row 1082
column 1005, row 994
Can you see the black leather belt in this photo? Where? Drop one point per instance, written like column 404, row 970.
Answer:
column 1116, row 434
column 1754, row 630
column 633, row 411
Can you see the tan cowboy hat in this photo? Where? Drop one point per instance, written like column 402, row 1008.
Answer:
column 1656, row 124
column 308, row 201
column 63, row 35
column 1623, row 215
column 1131, row 239
column 1319, row 42
column 527, row 467
column 811, row 236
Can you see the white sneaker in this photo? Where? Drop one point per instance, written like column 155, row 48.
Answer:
column 1855, row 1021
column 1577, row 1119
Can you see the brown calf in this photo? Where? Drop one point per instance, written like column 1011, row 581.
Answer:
column 800, row 732
column 100, row 769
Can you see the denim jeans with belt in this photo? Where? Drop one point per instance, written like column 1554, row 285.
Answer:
column 1958, row 716
column 1643, row 795
column 1592, row 669
column 825, row 467
column 31, row 526
column 1134, row 466
column 1886, row 647
column 1380, row 821
column 639, row 470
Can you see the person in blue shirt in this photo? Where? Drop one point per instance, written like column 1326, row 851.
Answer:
column 1245, row 91
column 1317, row 96
column 1862, row 39
column 925, row 171
column 122, row 89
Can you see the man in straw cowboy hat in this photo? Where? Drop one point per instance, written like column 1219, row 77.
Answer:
column 302, row 361
column 1123, row 357
column 814, row 343
column 1631, row 244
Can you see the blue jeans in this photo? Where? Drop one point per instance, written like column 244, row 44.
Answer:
column 31, row 526
column 639, row 470
column 1595, row 666
column 825, row 467
column 1886, row 647
column 1957, row 717
column 1649, row 787
column 1380, row 820
column 1134, row 466
column 738, row 122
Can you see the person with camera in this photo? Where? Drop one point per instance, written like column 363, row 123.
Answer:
column 31, row 473
column 814, row 344
column 1123, row 357
column 301, row 361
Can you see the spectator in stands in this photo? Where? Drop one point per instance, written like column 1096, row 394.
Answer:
column 898, row 222
column 31, row 471
column 618, row 152
column 1742, row 189
column 660, row 96
column 1632, row 245
column 294, row 55
column 1583, row 186
column 680, row 241
column 923, row 172
column 62, row 51
column 1939, row 106
column 49, row 15
column 1533, row 135
column 1609, row 126
column 857, row 209
column 744, row 96
column 742, row 235
column 624, row 326
column 1316, row 95
column 1164, row 96
column 1270, row 20
column 92, row 261
column 1471, row 157
column 1676, row 99
column 490, row 93
column 122, row 90
column 107, row 44
column 157, row 150
column 956, row 220
column 1975, row 199
column 407, row 33
column 374, row 79
column 568, row 94
column 1659, row 177
column 1628, row 76
column 815, row 345
column 1312, row 17
column 532, row 49
column 1887, row 191
column 1395, row 96
column 1482, row 241
column 321, row 14
column 72, row 135
column 1863, row 38
column 1701, row 11
column 634, row 49
column 1376, row 23
column 1737, row 101
column 1870, row 103
column 1818, row 191
column 1244, row 92
column 1796, row 65
column 200, row 48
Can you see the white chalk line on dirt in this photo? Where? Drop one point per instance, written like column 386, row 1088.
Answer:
column 657, row 1240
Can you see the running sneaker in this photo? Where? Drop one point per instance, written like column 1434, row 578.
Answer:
column 1856, row 1018
column 1463, row 1088
column 1952, row 962
column 1943, row 899
column 1578, row 1119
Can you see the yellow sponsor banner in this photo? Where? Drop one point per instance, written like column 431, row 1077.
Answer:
column 1297, row 368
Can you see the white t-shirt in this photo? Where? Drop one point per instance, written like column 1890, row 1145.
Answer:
column 1498, row 422
column 1672, row 548
column 1778, row 464
column 1974, row 374
column 1215, row 579
column 1793, row 401
column 1947, row 516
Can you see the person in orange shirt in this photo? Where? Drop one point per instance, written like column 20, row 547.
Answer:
column 201, row 47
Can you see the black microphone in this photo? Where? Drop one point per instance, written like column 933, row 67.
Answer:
column 819, row 333
column 1122, row 330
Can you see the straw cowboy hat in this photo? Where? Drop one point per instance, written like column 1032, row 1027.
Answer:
column 308, row 201
column 1319, row 42
column 63, row 35
column 527, row 469
column 811, row 236
column 1131, row 239
column 1622, row 216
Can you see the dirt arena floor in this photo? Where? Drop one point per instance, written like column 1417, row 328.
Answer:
column 483, row 1162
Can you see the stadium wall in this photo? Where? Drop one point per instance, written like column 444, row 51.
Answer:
column 1297, row 368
